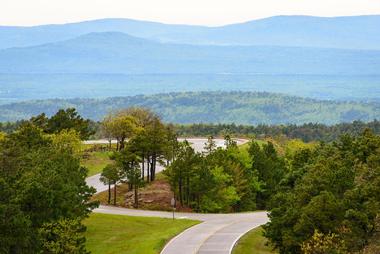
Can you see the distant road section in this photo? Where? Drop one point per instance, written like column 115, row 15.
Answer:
column 196, row 143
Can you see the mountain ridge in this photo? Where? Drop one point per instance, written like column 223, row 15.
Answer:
column 284, row 30
column 115, row 52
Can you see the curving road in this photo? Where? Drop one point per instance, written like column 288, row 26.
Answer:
column 217, row 234
column 196, row 143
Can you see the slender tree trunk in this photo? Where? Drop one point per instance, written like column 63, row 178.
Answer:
column 109, row 193
column 180, row 191
column 147, row 170
column 117, row 145
column 143, row 167
column 188, row 190
column 114, row 194
column 122, row 144
column 151, row 170
column 153, row 167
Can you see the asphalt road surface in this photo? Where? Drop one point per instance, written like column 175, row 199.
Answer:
column 217, row 234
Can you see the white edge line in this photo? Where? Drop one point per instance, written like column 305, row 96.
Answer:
column 240, row 236
column 175, row 237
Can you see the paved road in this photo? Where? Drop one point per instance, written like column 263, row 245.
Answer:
column 196, row 143
column 217, row 234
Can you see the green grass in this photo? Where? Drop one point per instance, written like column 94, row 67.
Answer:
column 253, row 243
column 118, row 234
column 96, row 162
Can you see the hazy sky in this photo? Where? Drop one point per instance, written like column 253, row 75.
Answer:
column 203, row 12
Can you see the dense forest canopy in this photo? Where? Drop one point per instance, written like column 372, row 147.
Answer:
column 322, row 197
column 327, row 199
column 209, row 107
column 306, row 132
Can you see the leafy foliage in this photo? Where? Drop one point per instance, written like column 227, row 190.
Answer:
column 62, row 237
column 216, row 181
column 68, row 119
column 328, row 195
column 40, row 184
column 307, row 132
column 150, row 142
column 209, row 107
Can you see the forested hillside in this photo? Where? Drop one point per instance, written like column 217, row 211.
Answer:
column 209, row 107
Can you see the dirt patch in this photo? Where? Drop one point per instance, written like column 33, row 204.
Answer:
column 153, row 196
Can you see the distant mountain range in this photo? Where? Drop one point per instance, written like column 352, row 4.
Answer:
column 209, row 107
column 114, row 52
column 323, row 58
column 355, row 32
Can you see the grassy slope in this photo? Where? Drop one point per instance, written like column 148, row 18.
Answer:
column 117, row 234
column 96, row 162
column 252, row 242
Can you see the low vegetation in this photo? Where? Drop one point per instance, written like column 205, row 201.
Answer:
column 118, row 234
column 96, row 161
column 253, row 243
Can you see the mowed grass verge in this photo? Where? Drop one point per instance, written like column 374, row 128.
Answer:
column 253, row 242
column 96, row 161
column 114, row 234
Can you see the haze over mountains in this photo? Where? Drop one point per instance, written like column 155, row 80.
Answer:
column 353, row 32
column 323, row 58
column 114, row 52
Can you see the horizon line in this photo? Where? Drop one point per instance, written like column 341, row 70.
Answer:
column 184, row 24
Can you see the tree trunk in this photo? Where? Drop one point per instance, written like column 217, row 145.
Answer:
column 180, row 191
column 121, row 144
column 114, row 194
column 153, row 168
column 151, row 171
column 143, row 168
column 109, row 193
column 187, row 190
column 147, row 170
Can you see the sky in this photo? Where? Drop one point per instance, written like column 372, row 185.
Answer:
column 195, row 12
